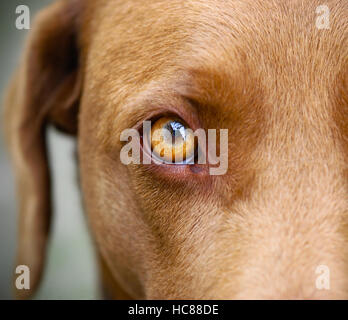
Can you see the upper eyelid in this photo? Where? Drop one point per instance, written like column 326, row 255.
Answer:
column 155, row 116
column 155, row 98
column 182, row 110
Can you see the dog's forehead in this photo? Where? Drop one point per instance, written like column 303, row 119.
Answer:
column 249, row 20
column 131, row 43
column 231, row 37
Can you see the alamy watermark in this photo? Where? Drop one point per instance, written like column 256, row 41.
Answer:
column 323, row 18
column 135, row 152
column 23, row 278
column 23, row 17
column 322, row 281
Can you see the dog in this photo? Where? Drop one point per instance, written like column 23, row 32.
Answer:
column 261, row 69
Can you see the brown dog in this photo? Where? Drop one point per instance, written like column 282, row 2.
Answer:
column 259, row 68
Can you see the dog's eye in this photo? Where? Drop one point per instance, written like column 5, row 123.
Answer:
column 172, row 141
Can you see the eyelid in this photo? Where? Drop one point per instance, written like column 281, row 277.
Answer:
column 158, row 115
column 180, row 108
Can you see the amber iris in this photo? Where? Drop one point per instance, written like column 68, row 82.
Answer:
column 172, row 140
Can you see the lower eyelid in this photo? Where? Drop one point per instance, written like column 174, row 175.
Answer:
column 178, row 172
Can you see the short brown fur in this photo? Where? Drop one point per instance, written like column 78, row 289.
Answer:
column 259, row 68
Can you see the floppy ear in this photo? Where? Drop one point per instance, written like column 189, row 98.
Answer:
column 45, row 90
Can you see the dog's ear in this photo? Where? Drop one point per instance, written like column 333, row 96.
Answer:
column 45, row 90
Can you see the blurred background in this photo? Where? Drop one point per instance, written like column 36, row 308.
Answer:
column 70, row 271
